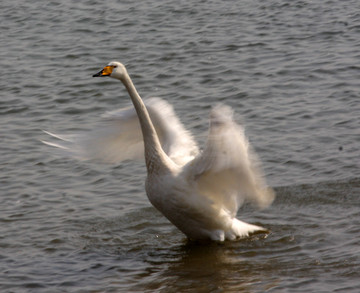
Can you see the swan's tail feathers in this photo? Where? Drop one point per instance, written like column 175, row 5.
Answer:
column 241, row 229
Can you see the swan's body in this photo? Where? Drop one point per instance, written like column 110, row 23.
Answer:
column 199, row 192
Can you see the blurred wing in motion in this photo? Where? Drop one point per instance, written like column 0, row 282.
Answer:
column 120, row 137
column 228, row 171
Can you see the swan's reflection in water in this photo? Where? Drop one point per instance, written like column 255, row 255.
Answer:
column 226, row 267
column 143, row 261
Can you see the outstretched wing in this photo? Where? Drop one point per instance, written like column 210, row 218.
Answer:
column 119, row 137
column 228, row 171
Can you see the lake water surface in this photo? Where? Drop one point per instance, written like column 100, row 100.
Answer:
column 289, row 69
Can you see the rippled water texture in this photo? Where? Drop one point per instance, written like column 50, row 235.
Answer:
column 289, row 69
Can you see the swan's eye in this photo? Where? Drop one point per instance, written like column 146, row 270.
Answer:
column 115, row 66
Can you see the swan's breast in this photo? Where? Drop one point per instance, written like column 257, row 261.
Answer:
column 180, row 203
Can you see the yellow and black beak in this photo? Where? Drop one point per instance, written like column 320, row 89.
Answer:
column 105, row 72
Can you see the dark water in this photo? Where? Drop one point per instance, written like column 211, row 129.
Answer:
column 290, row 70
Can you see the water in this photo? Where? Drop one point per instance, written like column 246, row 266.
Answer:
column 291, row 72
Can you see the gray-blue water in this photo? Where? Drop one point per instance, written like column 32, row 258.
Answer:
column 289, row 69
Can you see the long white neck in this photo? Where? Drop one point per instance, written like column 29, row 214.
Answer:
column 155, row 158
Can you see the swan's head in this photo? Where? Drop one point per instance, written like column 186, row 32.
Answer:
column 114, row 69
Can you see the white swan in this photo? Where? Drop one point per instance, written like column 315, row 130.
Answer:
column 199, row 192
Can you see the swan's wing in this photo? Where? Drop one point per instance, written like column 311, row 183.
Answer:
column 119, row 137
column 114, row 140
column 227, row 172
column 175, row 140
